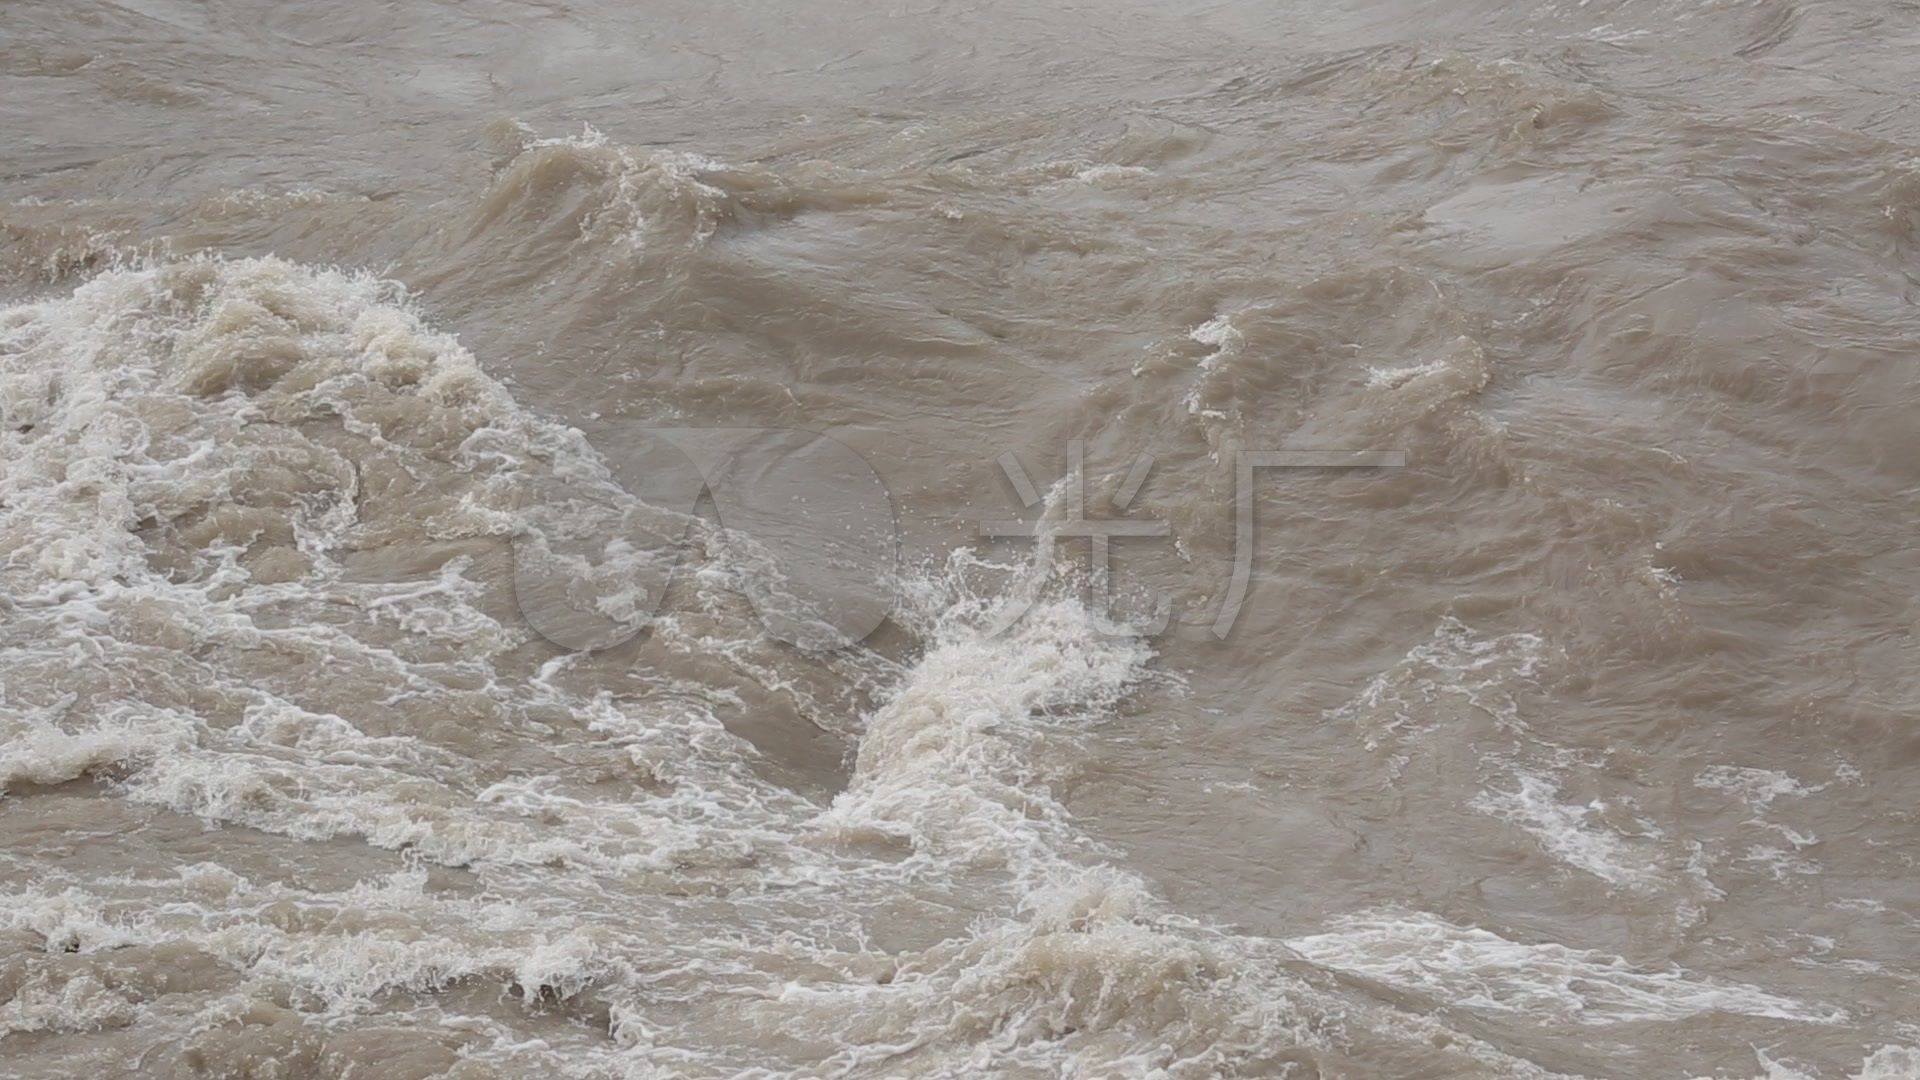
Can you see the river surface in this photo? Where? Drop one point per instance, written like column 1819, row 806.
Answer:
column 1309, row 538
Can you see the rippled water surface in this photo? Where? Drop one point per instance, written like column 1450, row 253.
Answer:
column 445, row 450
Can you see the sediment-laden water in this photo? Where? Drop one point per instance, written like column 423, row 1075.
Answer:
column 605, row 540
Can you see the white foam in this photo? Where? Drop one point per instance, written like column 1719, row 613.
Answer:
column 1883, row 1063
column 642, row 186
column 1755, row 787
column 1573, row 834
column 1226, row 341
column 1758, row 789
column 1389, row 377
column 1479, row 969
column 947, row 762
column 1458, row 664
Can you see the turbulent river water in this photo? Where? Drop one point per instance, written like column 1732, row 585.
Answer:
column 587, row 539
